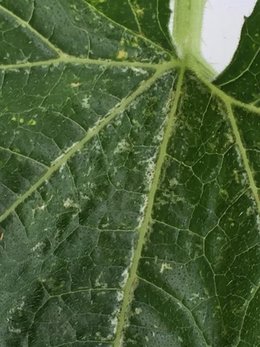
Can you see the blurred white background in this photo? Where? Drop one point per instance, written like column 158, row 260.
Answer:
column 222, row 26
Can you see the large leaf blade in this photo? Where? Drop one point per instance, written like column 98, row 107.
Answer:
column 198, row 270
column 47, row 221
column 131, row 212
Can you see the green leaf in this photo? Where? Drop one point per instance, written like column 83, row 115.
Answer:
column 146, row 18
column 241, row 77
column 129, row 203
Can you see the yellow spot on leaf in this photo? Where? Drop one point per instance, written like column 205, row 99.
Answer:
column 121, row 55
column 139, row 11
column 75, row 84
column 32, row 122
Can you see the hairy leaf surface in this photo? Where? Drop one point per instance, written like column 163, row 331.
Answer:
column 129, row 202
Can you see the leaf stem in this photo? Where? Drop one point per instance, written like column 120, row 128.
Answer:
column 187, row 28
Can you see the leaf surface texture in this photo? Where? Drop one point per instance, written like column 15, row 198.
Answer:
column 129, row 184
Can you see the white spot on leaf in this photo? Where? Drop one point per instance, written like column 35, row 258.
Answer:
column 165, row 266
column 85, row 102
column 69, row 203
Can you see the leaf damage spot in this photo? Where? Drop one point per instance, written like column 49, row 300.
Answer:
column 85, row 102
column 37, row 246
column 165, row 266
column 122, row 55
column 123, row 146
column 69, row 203
column 150, row 169
column 125, row 275
column 139, row 71
column 138, row 310
column 42, row 207
column 75, row 84
column 32, row 122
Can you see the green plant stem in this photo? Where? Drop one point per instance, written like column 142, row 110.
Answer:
column 188, row 20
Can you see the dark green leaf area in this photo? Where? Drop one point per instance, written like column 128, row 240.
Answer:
column 22, row 9
column 249, row 123
column 153, row 18
column 19, row 43
column 71, row 27
column 67, row 248
column 54, row 108
column 122, row 14
column 147, row 18
column 198, row 273
column 241, row 77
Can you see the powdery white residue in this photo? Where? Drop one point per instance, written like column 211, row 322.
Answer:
column 195, row 297
column 180, row 339
column 139, row 71
column 114, row 322
column 15, row 310
column 243, row 180
column 37, row 246
column 75, row 84
column 124, row 69
column 14, row 330
column 62, row 167
column 68, row 149
column 159, row 137
column 41, row 207
column 118, row 120
column 165, row 266
column 141, row 212
column 138, row 310
column 69, row 203
column 99, row 283
column 125, row 275
column 57, row 159
column 150, row 170
column 122, row 146
column 85, row 102
column 114, row 319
